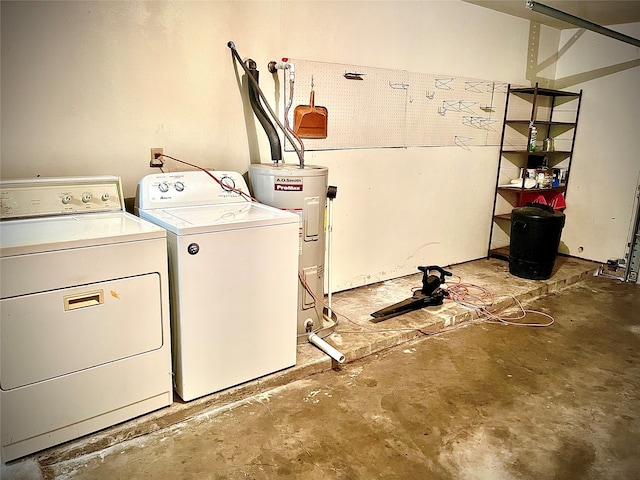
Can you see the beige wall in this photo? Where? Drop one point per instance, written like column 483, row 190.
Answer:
column 606, row 168
column 89, row 87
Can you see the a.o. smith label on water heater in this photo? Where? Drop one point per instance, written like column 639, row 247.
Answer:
column 288, row 184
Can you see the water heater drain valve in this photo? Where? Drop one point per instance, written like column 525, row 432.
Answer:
column 308, row 324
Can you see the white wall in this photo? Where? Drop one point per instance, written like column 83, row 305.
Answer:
column 89, row 87
column 606, row 165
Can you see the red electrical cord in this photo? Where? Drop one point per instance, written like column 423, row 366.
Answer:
column 226, row 187
column 481, row 300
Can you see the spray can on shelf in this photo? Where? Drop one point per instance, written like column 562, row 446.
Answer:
column 533, row 136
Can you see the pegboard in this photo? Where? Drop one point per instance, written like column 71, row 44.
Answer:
column 375, row 107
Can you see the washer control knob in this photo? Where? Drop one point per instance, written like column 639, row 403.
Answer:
column 179, row 186
column 105, row 197
column 86, row 197
column 66, row 199
column 163, row 187
column 228, row 183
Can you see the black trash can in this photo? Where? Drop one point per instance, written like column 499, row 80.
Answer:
column 535, row 237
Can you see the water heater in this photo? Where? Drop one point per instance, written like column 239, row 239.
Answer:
column 301, row 190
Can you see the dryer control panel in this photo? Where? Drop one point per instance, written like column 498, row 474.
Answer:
column 181, row 189
column 39, row 197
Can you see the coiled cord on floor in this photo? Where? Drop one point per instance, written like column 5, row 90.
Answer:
column 470, row 296
column 480, row 300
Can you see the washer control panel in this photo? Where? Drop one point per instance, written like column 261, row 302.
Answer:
column 40, row 197
column 179, row 189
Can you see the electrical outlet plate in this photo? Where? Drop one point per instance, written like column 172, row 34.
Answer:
column 156, row 160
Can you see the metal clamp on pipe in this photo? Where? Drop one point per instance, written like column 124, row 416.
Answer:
column 326, row 348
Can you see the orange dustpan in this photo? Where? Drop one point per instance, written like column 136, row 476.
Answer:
column 310, row 121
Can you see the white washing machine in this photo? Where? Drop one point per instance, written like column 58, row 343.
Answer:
column 84, row 327
column 233, row 266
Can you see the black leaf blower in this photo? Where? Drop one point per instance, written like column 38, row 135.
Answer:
column 429, row 295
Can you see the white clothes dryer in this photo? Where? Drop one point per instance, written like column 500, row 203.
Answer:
column 84, row 325
column 233, row 266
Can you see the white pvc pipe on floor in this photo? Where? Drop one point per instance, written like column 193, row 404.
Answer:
column 326, row 348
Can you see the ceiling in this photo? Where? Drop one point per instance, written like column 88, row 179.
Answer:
column 601, row 12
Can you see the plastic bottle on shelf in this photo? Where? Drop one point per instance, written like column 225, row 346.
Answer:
column 533, row 137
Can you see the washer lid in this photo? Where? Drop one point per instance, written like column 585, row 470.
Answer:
column 45, row 234
column 218, row 218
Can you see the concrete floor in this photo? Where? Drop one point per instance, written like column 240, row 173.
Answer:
column 479, row 401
